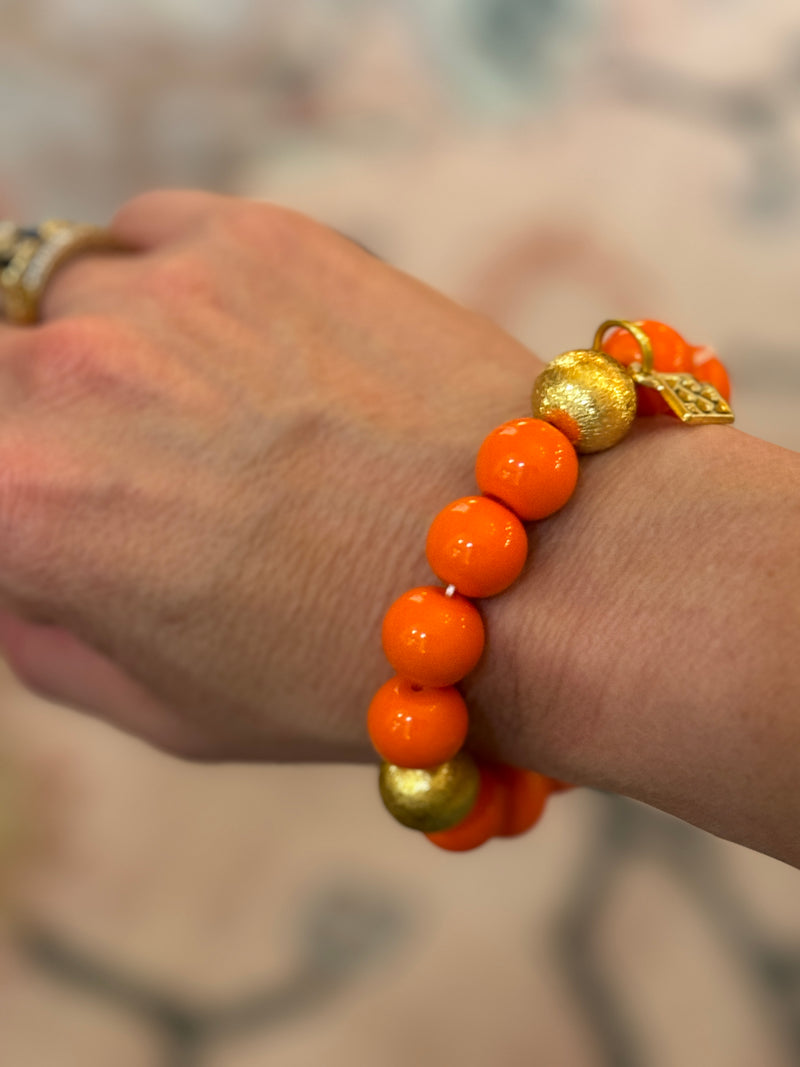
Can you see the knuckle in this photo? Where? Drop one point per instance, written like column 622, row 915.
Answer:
column 164, row 203
column 181, row 280
column 71, row 355
column 109, row 362
column 275, row 231
column 29, row 531
column 145, row 203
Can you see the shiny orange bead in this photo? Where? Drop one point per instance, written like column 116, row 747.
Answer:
column 482, row 823
column 670, row 353
column 528, row 465
column 477, row 545
column 412, row 726
column 525, row 796
column 431, row 638
column 707, row 368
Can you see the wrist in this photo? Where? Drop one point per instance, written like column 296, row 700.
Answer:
column 643, row 650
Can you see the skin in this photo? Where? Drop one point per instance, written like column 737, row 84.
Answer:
column 218, row 460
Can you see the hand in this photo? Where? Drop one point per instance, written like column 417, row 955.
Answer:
column 218, row 459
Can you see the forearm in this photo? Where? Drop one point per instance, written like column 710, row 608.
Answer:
column 654, row 635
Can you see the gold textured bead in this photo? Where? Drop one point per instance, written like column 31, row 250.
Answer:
column 587, row 395
column 434, row 798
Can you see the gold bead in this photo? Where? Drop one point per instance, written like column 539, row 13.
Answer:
column 587, row 395
column 431, row 799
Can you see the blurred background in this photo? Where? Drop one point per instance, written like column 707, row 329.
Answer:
column 552, row 163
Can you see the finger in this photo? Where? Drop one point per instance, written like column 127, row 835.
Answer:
column 49, row 286
column 90, row 284
column 59, row 667
column 10, row 336
column 102, row 282
column 15, row 349
column 157, row 218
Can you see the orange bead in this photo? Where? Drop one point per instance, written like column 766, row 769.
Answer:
column 670, row 353
column 529, row 465
column 525, row 796
column 482, row 823
column 431, row 638
column 708, row 368
column 412, row 726
column 477, row 545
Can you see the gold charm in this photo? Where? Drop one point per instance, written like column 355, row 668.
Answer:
column 693, row 401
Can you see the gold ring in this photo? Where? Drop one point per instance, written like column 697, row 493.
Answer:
column 28, row 259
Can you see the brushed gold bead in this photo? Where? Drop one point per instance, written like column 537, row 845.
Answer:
column 430, row 799
column 589, row 396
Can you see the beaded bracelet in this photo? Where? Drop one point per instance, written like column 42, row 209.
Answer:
column 526, row 469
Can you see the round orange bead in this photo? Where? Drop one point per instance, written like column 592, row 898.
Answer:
column 708, row 368
column 670, row 353
column 525, row 796
column 529, row 465
column 431, row 638
column 412, row 726
column 482, row 823
column 477, row 545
